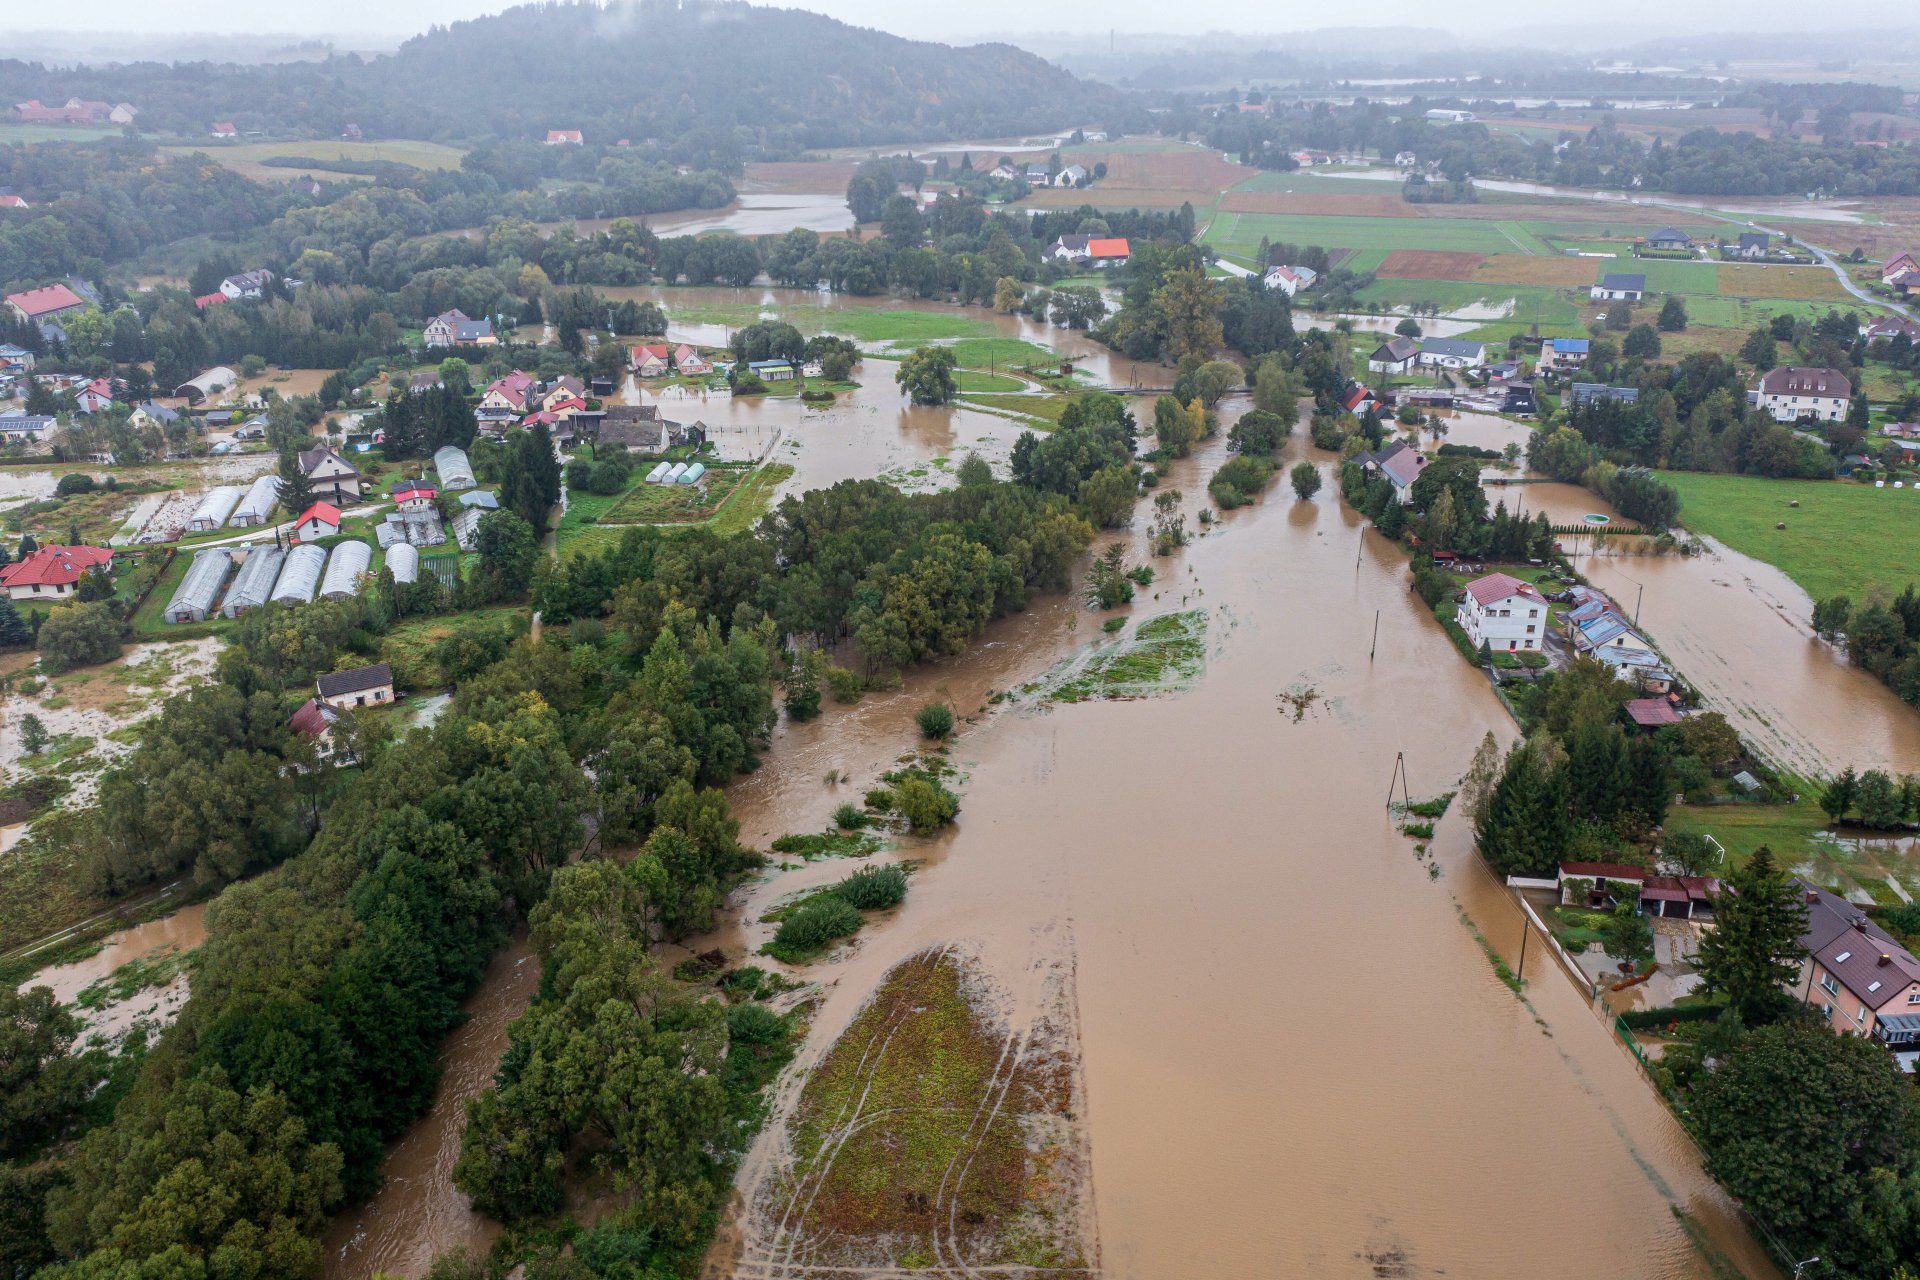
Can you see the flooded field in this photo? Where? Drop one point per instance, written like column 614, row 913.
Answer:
column 1738, row 630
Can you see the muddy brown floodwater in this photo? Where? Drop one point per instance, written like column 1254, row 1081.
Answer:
column 1298, row 1059
column 1741, row 632
column 417, row 1213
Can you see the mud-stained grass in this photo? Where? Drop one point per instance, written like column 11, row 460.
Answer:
column 931, row 1139
column 1163, row 655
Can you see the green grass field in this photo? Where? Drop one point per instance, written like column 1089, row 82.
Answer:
column 421, row 155
column 15, row 132
column 1242, row 232
column 1842, row 540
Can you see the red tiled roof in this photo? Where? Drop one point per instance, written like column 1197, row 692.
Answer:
column 310, row 720
column 1499, row 586
column 53, row 297
column 650, row 349
column 54, row 566
column 325, row 512
column 213, row 299
column 12, row 202
column 1652, row 712
column 414, row 491
column 1109, row 248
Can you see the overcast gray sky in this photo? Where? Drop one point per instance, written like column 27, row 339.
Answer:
column 963, row 19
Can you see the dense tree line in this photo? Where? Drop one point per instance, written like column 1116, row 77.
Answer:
column 1882, row 636
column 1637, row 493
column 907, row 577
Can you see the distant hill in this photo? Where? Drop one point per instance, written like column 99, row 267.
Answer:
column 773, row 81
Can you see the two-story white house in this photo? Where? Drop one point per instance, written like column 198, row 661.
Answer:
column 1791, row 393
column 1503, row 613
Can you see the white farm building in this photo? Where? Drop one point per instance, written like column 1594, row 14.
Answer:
column 300, row 574
column 404, row 561
column 201, row 587
column 254, row 583
column 349, row 561
column 455, row 472
column 261, row 498
column 215, row 508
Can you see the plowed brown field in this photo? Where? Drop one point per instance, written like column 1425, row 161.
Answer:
column 1516, row 268
column 1430, row 264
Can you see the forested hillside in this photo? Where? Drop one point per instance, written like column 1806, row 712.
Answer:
column 723, row 76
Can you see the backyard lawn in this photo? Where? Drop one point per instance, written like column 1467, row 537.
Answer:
column 1843, row 538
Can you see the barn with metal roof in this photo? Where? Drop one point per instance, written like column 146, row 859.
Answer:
column 344, row 567
column 201, row 587
column 451, row 465
column 404, row 561
column 300, row 574
column 261, row 498
column 254, row 583
column 215, row 508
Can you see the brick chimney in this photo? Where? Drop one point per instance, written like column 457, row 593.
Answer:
column 1885, row 958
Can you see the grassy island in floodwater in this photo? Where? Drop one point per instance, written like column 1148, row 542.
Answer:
column 931, row 1134
column 1163, row 655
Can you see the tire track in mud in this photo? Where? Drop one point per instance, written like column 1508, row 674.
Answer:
column 838, row 1134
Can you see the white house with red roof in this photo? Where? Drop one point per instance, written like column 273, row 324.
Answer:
column 94, row 397
column 321, row 520
column 52, row 572
column 48, row 302
column 415, row 495
column 13, row 202
column 650, row 359
column 1897, row 266
column 508, row 394
column 691, row 362
column 225, row 129
column 564, row 138
column 1503, row 613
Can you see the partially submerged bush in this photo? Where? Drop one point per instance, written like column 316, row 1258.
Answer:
column 816, row 924
column 874, row 888
column 849, row 818
column 935, row 719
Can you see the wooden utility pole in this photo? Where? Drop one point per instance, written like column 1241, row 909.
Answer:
column 1376, row 636
column 1400, row 777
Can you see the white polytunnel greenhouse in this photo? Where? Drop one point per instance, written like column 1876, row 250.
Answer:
column 200, row 588
column 451, row 465
column 344, row 568
column 692, row 474
column 404, row 561
column 215, row 508
column 258, row 504
column 659, row 472
column 299, row 575
column 673, row 476
column 254, row 583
